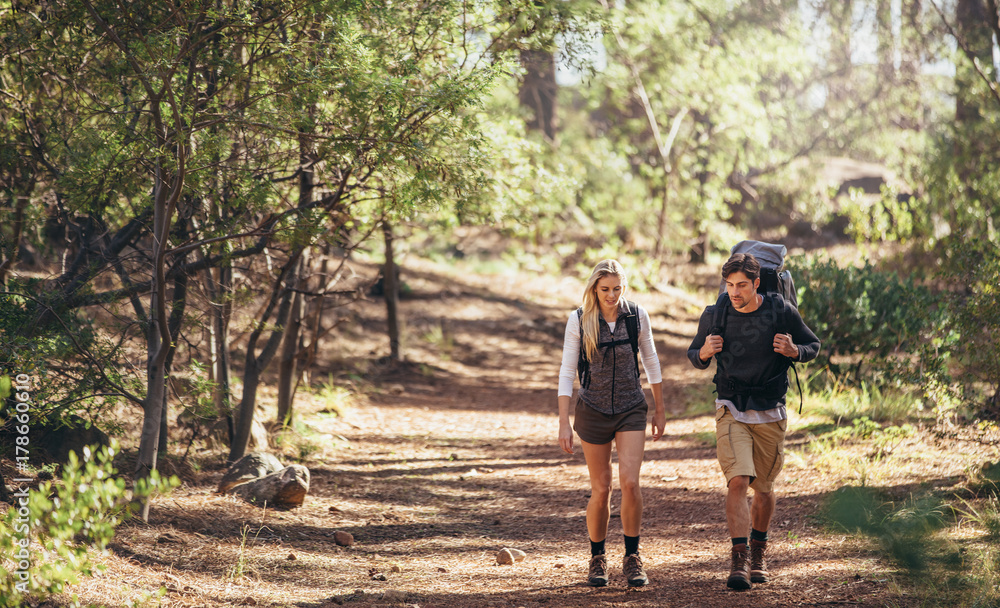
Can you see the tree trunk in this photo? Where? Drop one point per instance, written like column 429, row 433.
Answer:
column 165, row 195
column 910, row 59
column 975, row 31
column 9, row 257
column 256, row 364
column 841, row 15
column 176, row 318
column 220, row 311
column 538, row 91
column 288, row 368
column 315, row 319
column 886, row 42
column 391, row 282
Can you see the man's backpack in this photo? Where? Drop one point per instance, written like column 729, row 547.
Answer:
column 631, row 318
column 775, row 281
column 774, row 277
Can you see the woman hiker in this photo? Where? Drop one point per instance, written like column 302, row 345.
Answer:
column 604, row 339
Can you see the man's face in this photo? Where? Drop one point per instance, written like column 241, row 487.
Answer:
column 742, row 291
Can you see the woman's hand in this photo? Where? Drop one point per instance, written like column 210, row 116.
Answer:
column 659, row 423
column 565, row 436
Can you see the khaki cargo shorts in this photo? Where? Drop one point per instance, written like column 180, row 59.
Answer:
column 756, row 451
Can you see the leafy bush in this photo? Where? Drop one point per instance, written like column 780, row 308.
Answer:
column 51, row 534
column 975, row 266
column 875, row 327
column 64, row 354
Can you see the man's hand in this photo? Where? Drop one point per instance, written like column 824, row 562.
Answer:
column 566, row 436
column 783, row 345
column 712, row 345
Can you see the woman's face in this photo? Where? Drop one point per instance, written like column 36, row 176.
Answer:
column 608, row 291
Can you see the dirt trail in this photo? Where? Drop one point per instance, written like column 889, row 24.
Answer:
column 454, row 457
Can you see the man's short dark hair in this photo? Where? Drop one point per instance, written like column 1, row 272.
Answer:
column 742, row 262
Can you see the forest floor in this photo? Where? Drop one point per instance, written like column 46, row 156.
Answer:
column 435, row 464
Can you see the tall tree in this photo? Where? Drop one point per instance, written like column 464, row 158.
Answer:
column 886, row 41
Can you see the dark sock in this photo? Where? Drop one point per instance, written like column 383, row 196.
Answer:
column 596, row 548
column 757, row 535
column 740, row 541
column 631, row 545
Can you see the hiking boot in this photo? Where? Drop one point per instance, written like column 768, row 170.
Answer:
column 739, row 574
column 634, row 574
column 598, row 574
column 758, row 566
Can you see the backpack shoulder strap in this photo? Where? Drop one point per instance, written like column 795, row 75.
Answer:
column 719, row 318
column 582, row 364
column 632, row 325
column 779, row 315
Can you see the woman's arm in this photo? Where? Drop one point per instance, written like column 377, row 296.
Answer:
column 647, row 349
column 567, row 372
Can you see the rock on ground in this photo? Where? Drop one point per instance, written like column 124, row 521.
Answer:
column 286, row 488
column 254, row 465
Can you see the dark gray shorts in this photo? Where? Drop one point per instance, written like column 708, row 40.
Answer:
column 597, row 428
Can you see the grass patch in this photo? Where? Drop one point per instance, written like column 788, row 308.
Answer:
column 945, row 547
column 870, row 402
column 695, row 400
column 706, row 438
column 336, row 399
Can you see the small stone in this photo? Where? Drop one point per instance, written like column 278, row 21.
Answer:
column 343, row 539
column 518, row 555
column 505, row 557
column 394, row 595
column 291, row 557
column 558, row 565
column 397, row 389
column 442, row 569
column 395, row 568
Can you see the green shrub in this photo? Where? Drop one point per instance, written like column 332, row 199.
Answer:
column 875, row 327
column 50, row 535
column 975, row 267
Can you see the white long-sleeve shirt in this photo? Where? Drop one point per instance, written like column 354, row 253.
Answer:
column 571, row 352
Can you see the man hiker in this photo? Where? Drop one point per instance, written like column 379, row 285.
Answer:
column 754, row 338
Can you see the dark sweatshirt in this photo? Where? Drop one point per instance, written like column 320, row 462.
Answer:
column 748, row 358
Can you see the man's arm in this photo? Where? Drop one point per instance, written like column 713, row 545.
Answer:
column 805, row 340
column 694, row 351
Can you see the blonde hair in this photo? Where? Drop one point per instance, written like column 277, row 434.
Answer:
column 589, row 320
